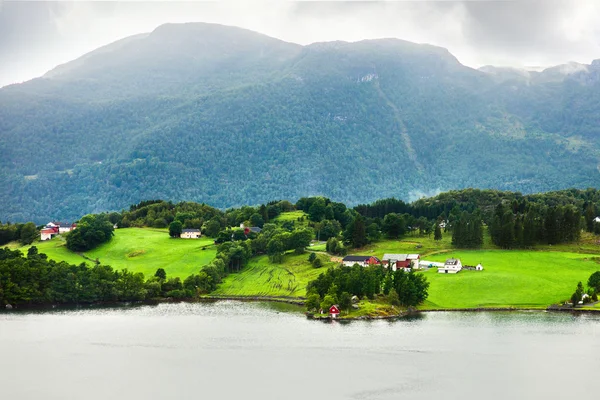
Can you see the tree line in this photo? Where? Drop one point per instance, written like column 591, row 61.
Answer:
column 338, row 285
column 514, row 226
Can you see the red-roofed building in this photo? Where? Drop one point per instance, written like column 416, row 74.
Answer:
column 49, row 233
column 334, row 311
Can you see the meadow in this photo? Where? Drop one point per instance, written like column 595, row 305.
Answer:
column 139, row 250
column 511, row 278
column 292, row 216
column 263, row 278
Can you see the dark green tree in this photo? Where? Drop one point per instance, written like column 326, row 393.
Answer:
column 257, row 220
column 437, row 235
column 161, row 274
column 393, row 225
column 594, row 281
column 359, row 233
column 212, row 228
column 345, row 301
column 29, row 233
column 175, row 229
column 92, row 230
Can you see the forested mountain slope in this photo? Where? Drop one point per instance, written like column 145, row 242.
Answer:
column 226, row 116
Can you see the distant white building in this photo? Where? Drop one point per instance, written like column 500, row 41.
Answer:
column 395, row 261
column 190, row 234
column 479, row 267
column 597, row 219
column 451, row 266
column 56, row 228
column 363, row 261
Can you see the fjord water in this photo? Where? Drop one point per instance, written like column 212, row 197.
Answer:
column 233, row 350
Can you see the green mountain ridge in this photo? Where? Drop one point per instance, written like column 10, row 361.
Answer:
column 227, row 116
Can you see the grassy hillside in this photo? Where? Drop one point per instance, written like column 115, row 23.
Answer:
column 56, row 250
column 292, row 216
column 509, row 278
column 535, row 278
column 140, row 250
column 518, row 278
column 263, row 278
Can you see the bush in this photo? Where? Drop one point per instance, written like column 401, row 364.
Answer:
column 316, row 263
column 91, row 231
column 311, row 257
column 179, row 294
column 313, row 301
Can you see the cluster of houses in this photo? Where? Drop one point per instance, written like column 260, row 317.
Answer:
column 196, row 234
column 408, row 262
column 394, row 261
column 56, row 228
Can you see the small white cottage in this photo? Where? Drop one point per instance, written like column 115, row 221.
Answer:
column 451, row 266
column 190, row 234
column 479, row 267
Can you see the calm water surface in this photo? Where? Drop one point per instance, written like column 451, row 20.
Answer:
column 232, row 350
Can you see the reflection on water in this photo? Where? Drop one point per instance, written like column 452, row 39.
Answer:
column 270, row 351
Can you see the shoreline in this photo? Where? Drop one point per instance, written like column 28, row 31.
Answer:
column 292, row 301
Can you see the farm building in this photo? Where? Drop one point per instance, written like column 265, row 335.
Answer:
column 190, row 234
column 248, row 229
column 48, row 233
column 479, row 267
column 451, row 266
column 334, row 311
column 64, row 227
column 56, row 228
column 396, row 261
column 364, row 261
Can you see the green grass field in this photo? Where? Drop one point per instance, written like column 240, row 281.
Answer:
column 56, row 250
column 292, row 216
column 510, row 278
column 263, row 278
column 140, row 250
column 517, row 278
column 408, row 244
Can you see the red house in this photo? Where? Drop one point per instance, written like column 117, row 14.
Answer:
column 396, row 261
column 334, row 311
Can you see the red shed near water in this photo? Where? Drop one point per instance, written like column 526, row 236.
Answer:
column 334, row 311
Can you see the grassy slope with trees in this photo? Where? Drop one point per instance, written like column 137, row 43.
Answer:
column 139, row 250
column 523, row 276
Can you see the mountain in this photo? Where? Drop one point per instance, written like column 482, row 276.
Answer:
column 227, row 116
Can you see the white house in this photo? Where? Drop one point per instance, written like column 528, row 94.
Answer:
column 451, row 266
column 479, row 267
column 64, row 227
column 363, row 261
column 190, row 234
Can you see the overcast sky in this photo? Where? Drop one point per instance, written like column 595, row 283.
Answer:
column 35, row 36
